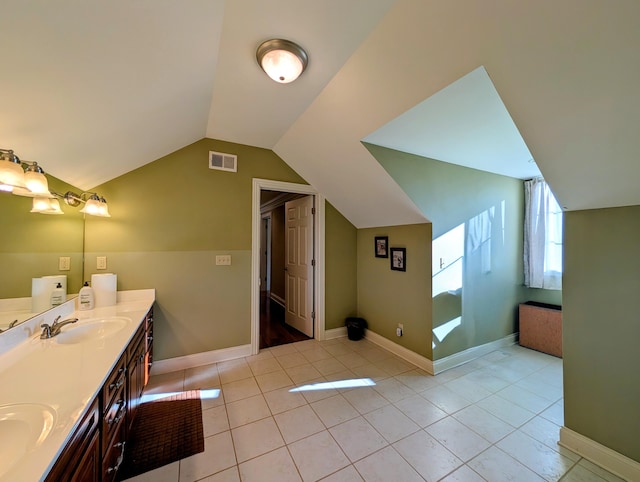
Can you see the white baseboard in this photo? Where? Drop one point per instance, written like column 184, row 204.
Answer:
column 608, row 459
column 472, row 353
column 278, row 300
column 199, row 359
column 398, row 350
column 335, row 333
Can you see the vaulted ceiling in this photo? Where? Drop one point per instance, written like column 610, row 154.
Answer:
column 95, row 89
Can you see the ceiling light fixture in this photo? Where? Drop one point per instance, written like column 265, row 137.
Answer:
column 282, row 60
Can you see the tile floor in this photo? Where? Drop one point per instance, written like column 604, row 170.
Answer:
column 494, row 419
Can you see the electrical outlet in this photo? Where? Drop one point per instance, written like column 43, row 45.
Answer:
column 64, row 263
column 223, row 260
column 101, row 262
column 400, row 329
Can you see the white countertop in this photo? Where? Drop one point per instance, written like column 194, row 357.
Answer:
column 65, row 377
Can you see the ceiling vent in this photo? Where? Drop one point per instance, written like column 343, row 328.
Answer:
column 223, row 162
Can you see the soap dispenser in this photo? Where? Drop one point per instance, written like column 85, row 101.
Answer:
column 86, row 297
column 58, row 296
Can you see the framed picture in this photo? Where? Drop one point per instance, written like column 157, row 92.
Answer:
column 382, row 246
column 399, row 259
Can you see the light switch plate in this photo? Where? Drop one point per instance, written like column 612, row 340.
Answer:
column 64, row 263
column 223, row 260
column 101, row 262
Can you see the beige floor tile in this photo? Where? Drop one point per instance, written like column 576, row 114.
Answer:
column 357, row 438
column 496, row 466
column 543, row 460
column 420, row 410
column 247, row 410
column 526, row 399
column 168, row 473
column 318, row 456
column 256, row 438
column 245, row 388
column 387, row 465
column 483, row 423
column 218, row 455
column 392, row 424
column 417, row 380
column 348, row 474
column 273, row 381
column 365, row 399
column 229, row 475
column 427, row 456
column 463, row 474
column 445, row 399
column 303, row 373
column 231, row 372
column 458, row 438
column 290, row 360
column 264, row 365
column 276, row 466
column 214, row 421
column 393, row 390
column 334, row 410
column 506, row 411
column 298, row 423
column 284, row 399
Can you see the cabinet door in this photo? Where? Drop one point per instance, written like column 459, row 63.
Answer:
column 89, row 468
column 76, row 462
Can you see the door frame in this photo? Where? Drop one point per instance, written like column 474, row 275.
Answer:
column 318, row 242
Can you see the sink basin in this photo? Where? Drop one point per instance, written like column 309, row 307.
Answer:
column 91, row 330
column 23, row 426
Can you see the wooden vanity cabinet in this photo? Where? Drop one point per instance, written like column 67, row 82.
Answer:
column 136, row 373
column 114, row 411
column 86, row 441
column 97, row 447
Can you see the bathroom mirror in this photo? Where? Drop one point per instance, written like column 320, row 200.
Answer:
column 31, row 246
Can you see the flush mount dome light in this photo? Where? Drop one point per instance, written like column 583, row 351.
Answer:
column 282, row 60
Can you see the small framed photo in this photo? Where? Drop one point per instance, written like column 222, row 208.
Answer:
column 399, row 259
column 382, row 246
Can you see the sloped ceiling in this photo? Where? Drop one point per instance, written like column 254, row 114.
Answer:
column 93, row 90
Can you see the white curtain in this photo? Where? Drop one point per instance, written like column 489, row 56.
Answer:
column 542, row 237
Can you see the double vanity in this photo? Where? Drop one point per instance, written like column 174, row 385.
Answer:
column 67, row 402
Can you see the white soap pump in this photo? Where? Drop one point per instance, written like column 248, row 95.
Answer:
column 58, row 295
column 86, row 298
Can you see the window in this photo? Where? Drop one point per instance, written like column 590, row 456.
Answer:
column 542, row 237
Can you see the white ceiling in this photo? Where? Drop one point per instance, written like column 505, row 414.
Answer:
column 93, row 90
column 465, row 123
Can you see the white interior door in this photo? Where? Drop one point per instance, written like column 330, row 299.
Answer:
column 299, row 264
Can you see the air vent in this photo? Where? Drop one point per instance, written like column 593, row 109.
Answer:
column 223, row 162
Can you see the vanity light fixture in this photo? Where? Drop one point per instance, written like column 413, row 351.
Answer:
column 45, row 205
column 282, row 60
column 93, row 204
column 26, row 178
column 11, row 172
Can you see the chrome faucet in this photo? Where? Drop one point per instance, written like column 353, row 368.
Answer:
column 11, row 325
column 49, row 331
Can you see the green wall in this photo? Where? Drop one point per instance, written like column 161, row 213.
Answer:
column 170, row 218
column 451, row 195
column 31, row 244
column 601, row 327
column 386, row 297
column 340, row 268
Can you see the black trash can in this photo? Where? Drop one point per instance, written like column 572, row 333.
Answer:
column 355, row 328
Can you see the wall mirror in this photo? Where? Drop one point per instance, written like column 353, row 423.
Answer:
column 31, row 246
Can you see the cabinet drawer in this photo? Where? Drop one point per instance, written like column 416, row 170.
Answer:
column 116, row 380
column 114, row 417
column 114, row 455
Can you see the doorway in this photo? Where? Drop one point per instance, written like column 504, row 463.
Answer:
column 264, row 266
column 286, row 255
